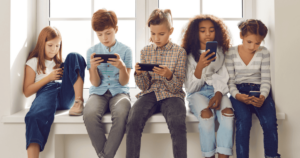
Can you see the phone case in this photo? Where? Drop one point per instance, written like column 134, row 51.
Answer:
column 147, row 67
column 105, row 57
column 212, row 45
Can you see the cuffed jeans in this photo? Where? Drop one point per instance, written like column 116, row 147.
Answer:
column 95, row 108
column 51, row 97
column 174, row 111
column 198, row 101
column 267, row 117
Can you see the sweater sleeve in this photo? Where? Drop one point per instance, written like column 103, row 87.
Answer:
column 220, row 80
column 265, row 74
column 231, row 71
column 192, row 84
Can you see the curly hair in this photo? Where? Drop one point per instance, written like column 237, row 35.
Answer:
column 253, row 26
column 191, row 41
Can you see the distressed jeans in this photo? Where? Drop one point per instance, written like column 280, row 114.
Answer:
column 51, row 97
column 267, row 117
column 198, row 101
column 174, row 111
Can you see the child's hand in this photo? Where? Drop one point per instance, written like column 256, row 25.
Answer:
column 244, row 98
column 163, row 70
column 258, row 102
column 56, row 74
column 203, row 61
column 117, row 62
column 215, row 102
column 137, row 69
column 95, row 61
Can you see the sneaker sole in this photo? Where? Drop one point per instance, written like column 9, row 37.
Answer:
column 75, row 114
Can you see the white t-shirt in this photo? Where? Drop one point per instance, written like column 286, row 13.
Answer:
column 33, row 64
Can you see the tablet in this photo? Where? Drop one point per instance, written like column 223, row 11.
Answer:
column 147, row 67
column 105, row 57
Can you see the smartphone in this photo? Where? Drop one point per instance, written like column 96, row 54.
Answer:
column 212, row 46
column 147, row 67
column 105, row 57
column 61, row 66
column 254, row 93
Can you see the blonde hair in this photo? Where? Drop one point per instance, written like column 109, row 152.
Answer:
column 159, row 16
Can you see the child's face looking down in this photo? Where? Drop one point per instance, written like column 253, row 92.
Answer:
column 206, row 33
column 52, row 48
column 107, row 36
column 160, row 34
column 251, row 42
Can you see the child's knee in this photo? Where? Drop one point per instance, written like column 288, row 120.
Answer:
column 227, row 112
column 206, row 113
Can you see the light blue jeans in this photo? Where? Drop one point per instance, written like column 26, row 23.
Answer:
column 198, row 101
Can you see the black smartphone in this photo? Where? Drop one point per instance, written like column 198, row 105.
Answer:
column 61, row 66
column 212, row 46
column 147, row 67
column 105, row 57
column 254, row 93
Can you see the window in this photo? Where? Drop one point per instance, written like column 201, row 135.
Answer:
column 73, row 19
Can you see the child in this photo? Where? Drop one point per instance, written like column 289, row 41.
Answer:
column 41, row 71
column 109, row 90
column 161, row 88
column 206, row 84
column 248, row 66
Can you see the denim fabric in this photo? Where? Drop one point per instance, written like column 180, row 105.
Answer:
column 267, row 117
column 95, row 108
column 109, row 74
column 51, row 97
column 198, row 101
column 174, row 111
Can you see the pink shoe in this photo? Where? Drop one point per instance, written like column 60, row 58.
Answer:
column 77, row 108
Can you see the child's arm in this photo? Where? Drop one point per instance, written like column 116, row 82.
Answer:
column 93, row 70
column 220, row 80
column 192, row 83
column 230, row 68
column 142, row 78
column 30, row 87
column 265, row 74
column 202, row 63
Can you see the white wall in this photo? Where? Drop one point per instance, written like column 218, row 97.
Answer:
column 17, row 30
column 280, row 17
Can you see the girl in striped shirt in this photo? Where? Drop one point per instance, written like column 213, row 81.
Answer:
column 248, row 66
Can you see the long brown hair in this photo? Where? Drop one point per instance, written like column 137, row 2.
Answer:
column 47, row 34
column 191, row 41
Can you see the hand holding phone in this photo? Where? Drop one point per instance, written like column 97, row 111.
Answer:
column 105, row 57
column 147, row 67
column 62, row 67
column 254, row 93
column 212, row 46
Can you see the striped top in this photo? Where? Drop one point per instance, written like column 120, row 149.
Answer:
column 257, row 71
column 174, row 57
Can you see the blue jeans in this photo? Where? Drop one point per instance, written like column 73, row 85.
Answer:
column 51, row 97
column 267, row 117
column 198, row 101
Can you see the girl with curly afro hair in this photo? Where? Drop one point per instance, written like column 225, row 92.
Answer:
column 206, row 84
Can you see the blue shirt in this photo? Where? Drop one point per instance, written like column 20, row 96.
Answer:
column 109, row 74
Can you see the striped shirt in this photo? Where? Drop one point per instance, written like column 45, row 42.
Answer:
column 174, row 57
column 257, row 71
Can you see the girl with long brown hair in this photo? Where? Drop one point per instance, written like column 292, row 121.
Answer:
column 42, row 73
column 206, row 84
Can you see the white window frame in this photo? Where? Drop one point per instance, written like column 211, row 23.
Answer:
column 143, row 10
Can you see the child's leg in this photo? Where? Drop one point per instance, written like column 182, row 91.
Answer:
column 72, row 80
column 267, row 117
column 225, row 132
column 243, row 115
column 142, row 109
column 33, row 150
column 174, row 112
column 95, row 108
column 198, row 104
column 119, row 106
column 41, row 115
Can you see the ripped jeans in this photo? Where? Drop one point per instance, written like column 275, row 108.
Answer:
column 198, row 101
column 267, row 117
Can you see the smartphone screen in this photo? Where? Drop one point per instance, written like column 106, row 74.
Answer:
column 212, row 46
